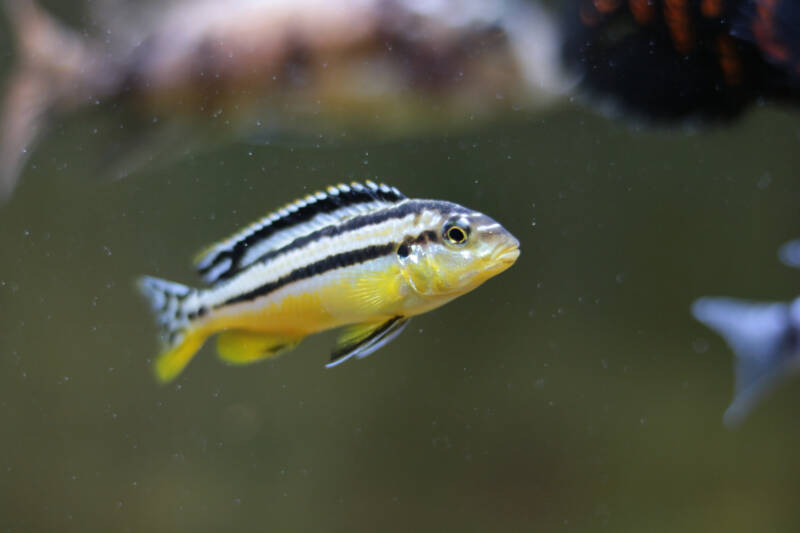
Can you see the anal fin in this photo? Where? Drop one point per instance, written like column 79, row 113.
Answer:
column 242, row 347
column 362, row 340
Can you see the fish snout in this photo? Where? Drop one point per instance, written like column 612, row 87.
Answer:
column 508, row 252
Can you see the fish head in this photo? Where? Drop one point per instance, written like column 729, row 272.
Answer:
column 456, row 252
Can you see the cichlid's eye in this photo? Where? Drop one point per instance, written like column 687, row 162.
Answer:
column 456, row 231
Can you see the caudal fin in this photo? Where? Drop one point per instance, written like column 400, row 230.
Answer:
column 764, row 341
column 181, row 339
column 52, row 68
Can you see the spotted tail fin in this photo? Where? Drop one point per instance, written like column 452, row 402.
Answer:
column 180, row 337
column 763, row 337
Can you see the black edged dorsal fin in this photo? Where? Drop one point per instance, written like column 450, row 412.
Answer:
column 362, row 340
column 229, row 256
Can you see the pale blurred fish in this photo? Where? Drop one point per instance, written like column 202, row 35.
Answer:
column 789, row 254
column 327, row 69
column 361, row 256
column 764, row 337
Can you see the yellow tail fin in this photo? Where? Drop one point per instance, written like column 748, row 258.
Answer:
column 172, row 362
column 181, row 335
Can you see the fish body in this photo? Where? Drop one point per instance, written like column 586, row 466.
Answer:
column 764, row 337
column 362, row 256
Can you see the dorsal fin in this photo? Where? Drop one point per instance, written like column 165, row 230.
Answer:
column 229, row 256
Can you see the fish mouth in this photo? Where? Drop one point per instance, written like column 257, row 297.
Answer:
column 507, row 255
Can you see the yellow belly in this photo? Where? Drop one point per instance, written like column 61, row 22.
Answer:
column 362, row 297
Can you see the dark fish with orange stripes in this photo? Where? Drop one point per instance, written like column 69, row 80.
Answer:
column 685, row 60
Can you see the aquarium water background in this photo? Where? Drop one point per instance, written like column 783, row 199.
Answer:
column 572, row 393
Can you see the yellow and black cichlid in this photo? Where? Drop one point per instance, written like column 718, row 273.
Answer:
column 362, row 256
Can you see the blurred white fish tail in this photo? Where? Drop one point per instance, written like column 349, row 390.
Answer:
column 764, row 339
column 50, row 71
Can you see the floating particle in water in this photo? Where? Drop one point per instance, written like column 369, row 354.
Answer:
column 700, row 345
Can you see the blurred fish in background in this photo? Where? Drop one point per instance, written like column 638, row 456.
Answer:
column 253, row 69
column 765, row 338
column 789, row 254
column 197, row 73
column 684, row 60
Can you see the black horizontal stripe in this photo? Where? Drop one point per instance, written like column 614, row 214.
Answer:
column 355, row 223
column 331, row 202
column 331, row 262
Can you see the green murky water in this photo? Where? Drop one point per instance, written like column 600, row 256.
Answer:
column 572, row 393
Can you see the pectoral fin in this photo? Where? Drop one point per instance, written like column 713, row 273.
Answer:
column 240, row 347
column 371, row 293
column 363, row 339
